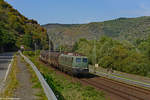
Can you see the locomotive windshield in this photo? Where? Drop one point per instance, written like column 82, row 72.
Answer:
column 78, row 59
column 85, row 60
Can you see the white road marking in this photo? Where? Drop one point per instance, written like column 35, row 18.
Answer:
column 5, row 56
column 5, row 60
column 9, row 66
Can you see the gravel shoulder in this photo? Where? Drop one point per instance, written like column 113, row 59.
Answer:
column 24, row 91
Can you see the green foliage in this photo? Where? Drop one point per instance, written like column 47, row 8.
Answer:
column 85, row 47
column 27, row 40
column 65, row 48
column 75, row 47
column 30, row 53
column 7, row 40
column 144, row 47
column 121, row 56
column 16, row 30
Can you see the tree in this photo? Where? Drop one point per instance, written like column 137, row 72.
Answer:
column 28, row 41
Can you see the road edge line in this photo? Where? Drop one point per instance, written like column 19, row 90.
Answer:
column 8, row 70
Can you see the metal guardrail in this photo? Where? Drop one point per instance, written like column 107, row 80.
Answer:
column 48, row 91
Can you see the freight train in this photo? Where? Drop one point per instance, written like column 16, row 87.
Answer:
column 71, row 63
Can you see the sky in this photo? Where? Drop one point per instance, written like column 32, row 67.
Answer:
column 80, row 11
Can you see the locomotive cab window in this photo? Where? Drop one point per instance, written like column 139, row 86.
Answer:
column 78, row 59
column 85, row 60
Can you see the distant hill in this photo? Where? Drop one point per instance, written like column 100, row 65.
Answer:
column 121, row 28
column 16, row 30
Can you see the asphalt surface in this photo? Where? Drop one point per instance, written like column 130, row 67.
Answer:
column 5, row 59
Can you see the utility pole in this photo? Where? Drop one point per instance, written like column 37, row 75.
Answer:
column 49, row 48
column 63, row 46
column 71, row 43
column 94, row 51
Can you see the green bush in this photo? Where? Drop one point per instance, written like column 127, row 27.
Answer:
column 17, row 30
column 30, row 53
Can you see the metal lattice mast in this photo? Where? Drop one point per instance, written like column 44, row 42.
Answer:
column 94, row 51
column 94, row 54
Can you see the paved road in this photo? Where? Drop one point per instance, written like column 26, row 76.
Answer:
column 5, row 59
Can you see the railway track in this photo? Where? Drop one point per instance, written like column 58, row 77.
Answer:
column 139, row 89
column 116, row 90
column 121, row 90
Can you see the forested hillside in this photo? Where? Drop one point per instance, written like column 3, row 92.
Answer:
column 122, row 44
column 16, row 30
column 122, row 29
column 118, row 55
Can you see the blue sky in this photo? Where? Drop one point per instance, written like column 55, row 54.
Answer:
column 80, row 11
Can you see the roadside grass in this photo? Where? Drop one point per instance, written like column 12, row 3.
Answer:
column 35, row 83
column 65, row 89
column 11, row 82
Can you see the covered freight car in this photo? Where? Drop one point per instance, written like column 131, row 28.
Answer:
column 44, row 56
column 50, row 57
column 53, row 58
